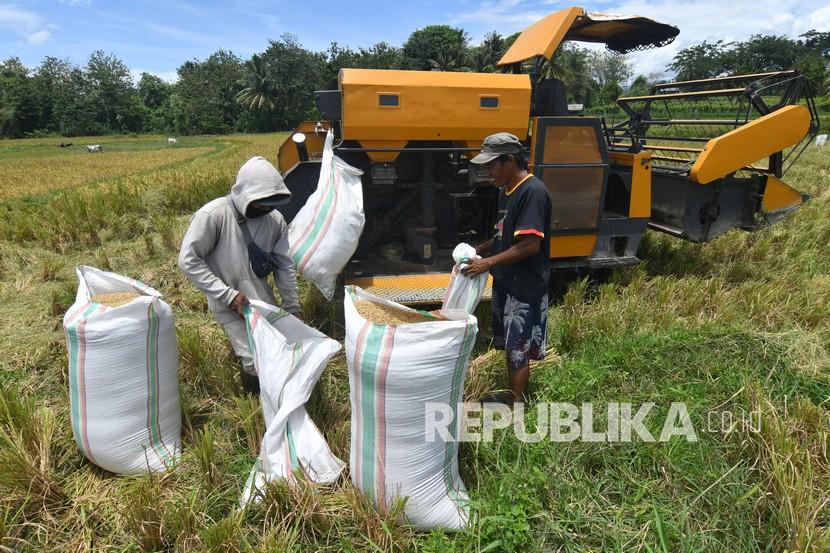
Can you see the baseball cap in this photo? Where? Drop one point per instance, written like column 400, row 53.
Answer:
column 497, row 145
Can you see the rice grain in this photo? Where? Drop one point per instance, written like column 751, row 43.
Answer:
column 385, row 314
column 116, row 299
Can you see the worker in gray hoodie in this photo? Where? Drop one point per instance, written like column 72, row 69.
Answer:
column 232, row 245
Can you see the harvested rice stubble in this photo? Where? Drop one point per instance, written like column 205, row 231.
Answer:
column 116, row 299
column 385, row 314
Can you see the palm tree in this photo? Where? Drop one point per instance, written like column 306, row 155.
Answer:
column 449, row 60
column 258, row 91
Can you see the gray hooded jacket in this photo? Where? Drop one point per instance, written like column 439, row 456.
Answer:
column 214, row 253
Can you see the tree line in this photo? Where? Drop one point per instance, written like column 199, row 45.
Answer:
column 273, row 90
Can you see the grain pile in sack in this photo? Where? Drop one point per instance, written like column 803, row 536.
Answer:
column 394, row 372
column 289, row 357
column 324, row 234
column 123, row 374
column 464, row 292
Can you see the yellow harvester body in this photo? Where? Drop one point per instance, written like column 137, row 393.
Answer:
column 413, row 133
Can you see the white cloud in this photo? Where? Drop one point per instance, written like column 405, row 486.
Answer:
column 26, row 24
column 76, row 3
column 182, row 35
column 167, row 76
column 698, row 21
column 38, row 37
column 12, row 17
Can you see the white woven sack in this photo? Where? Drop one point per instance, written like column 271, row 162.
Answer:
column 394, row 372
column 289, row 357
column 123, row 376
column 464, row 292
column 325, row 233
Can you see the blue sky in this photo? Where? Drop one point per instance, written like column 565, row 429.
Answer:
column 157, row 36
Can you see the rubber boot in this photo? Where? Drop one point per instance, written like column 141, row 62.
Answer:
column 250, row 382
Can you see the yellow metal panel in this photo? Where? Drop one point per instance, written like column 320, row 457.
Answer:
column 779, row 195
column 474, row 145
column 382, row 157
column 640, row 164
column 756, row 140
column 432, row 105
column 534, row 132
column 287, row 156
column 578, row 245
column 543, row 37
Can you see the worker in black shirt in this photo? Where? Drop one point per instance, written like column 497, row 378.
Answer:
column 518, row 257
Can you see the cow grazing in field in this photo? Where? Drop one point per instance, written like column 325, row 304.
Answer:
column 94, row 148
column 64, row 144
column 172, row 141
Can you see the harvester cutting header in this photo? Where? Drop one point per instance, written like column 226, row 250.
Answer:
column 693, row 159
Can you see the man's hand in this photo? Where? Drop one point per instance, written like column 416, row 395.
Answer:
column 477, row 267
column 238, row 303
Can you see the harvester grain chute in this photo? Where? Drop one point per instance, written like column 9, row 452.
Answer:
column 685, row 161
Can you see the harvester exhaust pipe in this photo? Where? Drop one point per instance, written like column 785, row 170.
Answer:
column 422, row 239
column 428, row 191
column 299, row 142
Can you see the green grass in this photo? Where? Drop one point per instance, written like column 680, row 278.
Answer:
column 740, row 324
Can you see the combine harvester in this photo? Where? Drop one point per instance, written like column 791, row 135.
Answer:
column 693, row 159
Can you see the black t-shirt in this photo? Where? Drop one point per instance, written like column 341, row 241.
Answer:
column 526, row 210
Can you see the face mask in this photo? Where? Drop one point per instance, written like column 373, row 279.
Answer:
column 254, row 212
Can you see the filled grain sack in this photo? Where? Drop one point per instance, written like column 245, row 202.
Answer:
column 289, row 357
column 324, row 234
column 464, row 292
column 123, row 374
column 395, row 370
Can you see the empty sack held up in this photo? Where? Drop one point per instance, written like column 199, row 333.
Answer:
column 325, row 232
column 464, row 292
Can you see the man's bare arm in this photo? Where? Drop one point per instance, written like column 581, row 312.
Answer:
column 525, row 246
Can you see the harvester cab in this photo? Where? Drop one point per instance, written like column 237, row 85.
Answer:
column 412, row 134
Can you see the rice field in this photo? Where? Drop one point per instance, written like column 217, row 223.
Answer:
column 39, row 167
column 741, row 325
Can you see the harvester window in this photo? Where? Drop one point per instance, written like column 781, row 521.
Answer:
column 575, row 194
column 389, row 100
column 571, row 144
column 489, row 102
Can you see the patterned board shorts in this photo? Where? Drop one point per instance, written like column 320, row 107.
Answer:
column 519, row 328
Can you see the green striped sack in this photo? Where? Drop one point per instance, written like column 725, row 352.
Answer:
column 289, row 357
column 123, row 376
column 394, row 373
column 464, row 292
column 325, row 232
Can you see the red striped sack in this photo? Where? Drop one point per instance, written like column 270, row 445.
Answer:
column 394, row 373
column 325, row 232
column 289, row 357
column 123, row 376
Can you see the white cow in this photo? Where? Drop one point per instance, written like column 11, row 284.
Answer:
column 94, row 148
column 172, row 141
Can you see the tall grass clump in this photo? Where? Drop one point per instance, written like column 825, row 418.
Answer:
column 142, row 508
column 27, row 466
column 792, row 460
